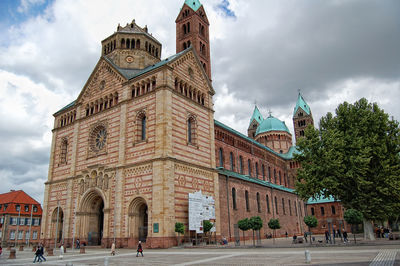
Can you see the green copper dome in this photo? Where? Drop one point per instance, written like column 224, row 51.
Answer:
column 193, row 4
column 272, row 124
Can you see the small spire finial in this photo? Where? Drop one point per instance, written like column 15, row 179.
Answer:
column 270, row 113
column 299, row 90
column 255, row 102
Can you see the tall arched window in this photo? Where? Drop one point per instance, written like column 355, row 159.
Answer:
column 256, row 170
column 241, row 164
column 283, row 206
column 141, row 127
column 249, row 166
column 269, row 174
column 231, row 160
column 290, row 208
column 263, row 172
column 322, row 211
column 64, row 151
column 275, row 175
column 280, row 178
column 234, row 199
column 295, row 208
column 221, row 157
column 191, row 130
column 258, row 202
column 333, row 209
column 276, row 206
column 246, row 195
column 267, row 200
column 312, row 211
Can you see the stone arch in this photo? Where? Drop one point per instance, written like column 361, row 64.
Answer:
column 57, row 224
column 91, row 220
column 138, row 219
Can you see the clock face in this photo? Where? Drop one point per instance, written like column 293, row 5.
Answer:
column 129, row 59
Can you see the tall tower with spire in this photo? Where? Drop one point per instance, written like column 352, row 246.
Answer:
column 302, row 117
column 192, row 29
column 255, row 120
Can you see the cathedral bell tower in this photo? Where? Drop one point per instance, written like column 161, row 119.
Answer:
column 192, row 29
column 302, row 117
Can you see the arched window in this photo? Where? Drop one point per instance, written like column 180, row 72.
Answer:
column 283, row 206
column 234, row 199
column 138, row 44
column 241, row 164
column 221, row 157
column 133, row 44
column 246, row 195
column 128, row 44
column 141, row 126
column 263, row 172
column 269, row 174
column 188, row 27
column 333, row 209
column 267, row 200
column 275, row 175
column 231, row 160
column 280, row 178
column 184, row 46
column 322, row 211
column 256, row 170
column 184, row 29
column 123, row 43
column 295, row 208
column 191, row 130
column 258, row 202
column 64, row 151
column 312, row 211
column 249, row 166
column 290, row 208
column 276, row 206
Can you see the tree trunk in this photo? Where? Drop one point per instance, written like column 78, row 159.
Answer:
column 273, row 237
column 244, row 240
column 368, row 230
column 309, row 231
column 254, row 243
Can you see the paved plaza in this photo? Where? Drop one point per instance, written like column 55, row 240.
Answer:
column 380, row 252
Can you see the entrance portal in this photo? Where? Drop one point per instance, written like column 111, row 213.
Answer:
column 57, row 220
column 138, row 219
column 93, row 218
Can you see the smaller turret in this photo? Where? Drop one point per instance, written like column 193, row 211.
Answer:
column 255, row 120
column 302, row 117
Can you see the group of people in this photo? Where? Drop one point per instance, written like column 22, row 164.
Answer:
column 335, row 235
column 39, row 254
column 382, row 232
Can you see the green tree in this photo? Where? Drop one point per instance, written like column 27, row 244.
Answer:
column 207, row 225
column 256, row 223
column 274, row 224
column 244, row 225
column 311, row 222
column 354, row 157
column 180, row 229
column 353, row 217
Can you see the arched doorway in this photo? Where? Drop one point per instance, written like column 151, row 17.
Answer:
column 57, row 221
column 138, row 219
column 93, row 218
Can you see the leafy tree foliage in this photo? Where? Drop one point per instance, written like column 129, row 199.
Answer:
column 179, row 228
column 274, row 224
column 354, row 157
column 207, row 225
column 244, row 225
column 353, row 217
column 311, row 222
column 256, row 223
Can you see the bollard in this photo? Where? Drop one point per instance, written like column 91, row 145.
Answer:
column 82, row 250
column 12, row 253
column 308, row 256
column 106, row 261
column 50, row 252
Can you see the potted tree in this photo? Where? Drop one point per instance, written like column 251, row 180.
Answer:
column 256, row 224
column 353, row 217
column 274, row 224
column 180, row 229
column 311, row 222
column 207, row 225
column 244, row 225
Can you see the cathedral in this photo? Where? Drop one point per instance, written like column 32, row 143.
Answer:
column 141, row 136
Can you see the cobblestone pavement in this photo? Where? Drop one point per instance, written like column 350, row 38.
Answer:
column 373, row 253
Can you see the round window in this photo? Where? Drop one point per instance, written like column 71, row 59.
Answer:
column 98, row 138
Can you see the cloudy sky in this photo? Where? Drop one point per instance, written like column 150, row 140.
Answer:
column 262, row 51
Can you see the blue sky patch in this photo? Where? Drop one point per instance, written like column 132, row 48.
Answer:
column 13, row 12
column 224, row 7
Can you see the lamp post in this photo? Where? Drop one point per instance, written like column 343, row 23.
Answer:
column 30, row 226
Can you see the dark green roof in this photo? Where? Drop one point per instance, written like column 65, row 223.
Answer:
column 272, row 124
column 256, row 116
column 226, row 172
column 321, row 200
column 286, row 156
column 66, row 107
column 301, row 103
column 193, row 4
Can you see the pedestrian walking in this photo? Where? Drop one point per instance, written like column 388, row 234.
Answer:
column 326, row 236
column 61, row 252
column 41, row 253
column 113, row 249
column 345, row 240
column 37, row 255
column 305, row 237
column 286, row 234
column 1, row 250
column 139, row 249
column 78, row 244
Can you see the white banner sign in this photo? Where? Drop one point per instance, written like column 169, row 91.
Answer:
column 201, row 207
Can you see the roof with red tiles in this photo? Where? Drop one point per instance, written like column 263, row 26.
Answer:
column 16, row 197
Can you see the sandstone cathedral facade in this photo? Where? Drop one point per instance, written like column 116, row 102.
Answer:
column 141, row 136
